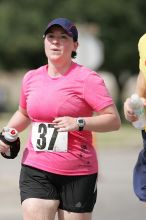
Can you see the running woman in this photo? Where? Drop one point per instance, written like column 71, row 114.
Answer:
column 59, row 165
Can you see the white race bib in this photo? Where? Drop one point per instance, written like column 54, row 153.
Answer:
column 46, row 138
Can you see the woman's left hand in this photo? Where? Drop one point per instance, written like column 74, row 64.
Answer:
column 65, row 123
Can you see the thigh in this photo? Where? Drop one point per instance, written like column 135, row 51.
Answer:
column 34, row 183
column 78, row 193
column 39, row 197
column 38, row 209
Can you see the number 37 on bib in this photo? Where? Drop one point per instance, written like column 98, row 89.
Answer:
column 46, row 138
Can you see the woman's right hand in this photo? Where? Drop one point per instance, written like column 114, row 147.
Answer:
column 128, row 112
column 3, row 147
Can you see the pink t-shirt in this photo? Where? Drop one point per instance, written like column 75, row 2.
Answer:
column 77, row 93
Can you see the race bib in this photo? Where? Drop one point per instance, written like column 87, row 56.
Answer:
column 46, row 138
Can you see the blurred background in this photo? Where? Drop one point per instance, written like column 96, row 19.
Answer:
column 108, row 35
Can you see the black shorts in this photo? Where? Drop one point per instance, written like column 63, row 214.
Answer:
column 75, row 193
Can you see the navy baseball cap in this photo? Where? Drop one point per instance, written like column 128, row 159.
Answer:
column 66, row 24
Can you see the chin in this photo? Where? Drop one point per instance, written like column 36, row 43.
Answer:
column 55, row 57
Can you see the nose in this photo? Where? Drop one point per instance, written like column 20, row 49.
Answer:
column 56, row 40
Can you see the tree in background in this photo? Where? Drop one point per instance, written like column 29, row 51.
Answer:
column 121, row 23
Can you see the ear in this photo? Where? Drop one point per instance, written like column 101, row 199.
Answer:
column 76, row 44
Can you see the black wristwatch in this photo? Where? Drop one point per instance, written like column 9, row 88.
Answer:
column 81, row 123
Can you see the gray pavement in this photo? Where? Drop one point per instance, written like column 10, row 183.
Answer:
column 116, row 200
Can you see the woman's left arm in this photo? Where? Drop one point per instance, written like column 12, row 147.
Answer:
column 107, row 119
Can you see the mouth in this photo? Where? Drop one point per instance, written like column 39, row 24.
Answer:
column 55, row 49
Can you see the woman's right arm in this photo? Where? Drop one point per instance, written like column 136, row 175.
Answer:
column 19, row 120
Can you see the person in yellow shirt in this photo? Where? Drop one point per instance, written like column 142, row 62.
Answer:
column 141, row 79
column 139, row 172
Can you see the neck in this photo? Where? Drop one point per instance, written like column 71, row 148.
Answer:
column 58, row 69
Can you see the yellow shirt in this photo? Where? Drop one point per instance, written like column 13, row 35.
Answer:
column 142, row 54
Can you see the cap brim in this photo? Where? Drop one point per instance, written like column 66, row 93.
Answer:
column 56, row 24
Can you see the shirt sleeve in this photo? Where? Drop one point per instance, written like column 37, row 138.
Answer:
column 22, row 99
column 24, row 89
column 96, row 93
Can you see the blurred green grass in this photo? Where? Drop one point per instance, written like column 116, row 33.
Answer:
column 126, row 136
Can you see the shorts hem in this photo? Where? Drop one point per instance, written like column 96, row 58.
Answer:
column 76, row 211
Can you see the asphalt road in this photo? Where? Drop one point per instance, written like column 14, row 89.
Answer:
column 116, row 199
